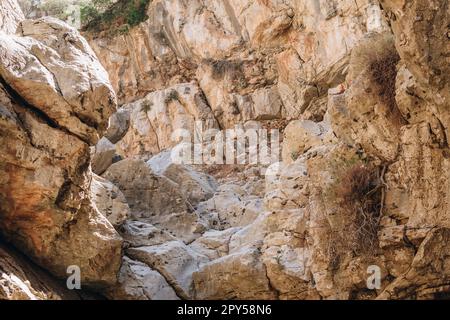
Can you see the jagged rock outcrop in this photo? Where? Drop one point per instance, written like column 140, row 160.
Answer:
column 10, row 16
column 55, row 100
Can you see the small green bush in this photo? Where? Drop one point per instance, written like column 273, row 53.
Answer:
column 137, row 13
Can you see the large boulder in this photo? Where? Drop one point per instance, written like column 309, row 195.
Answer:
column 50, row 58
column 175, row 261
column 102, row 155
column 240, row 275
column 55, row 99
column 119, row 123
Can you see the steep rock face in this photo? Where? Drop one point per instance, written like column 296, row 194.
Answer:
column 252, row 59
column 398, row 117
column 423, row 99
column 55, row 99
column 22, row 280
column 10, row 16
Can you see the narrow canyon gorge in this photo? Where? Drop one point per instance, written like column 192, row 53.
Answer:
column 348, row 99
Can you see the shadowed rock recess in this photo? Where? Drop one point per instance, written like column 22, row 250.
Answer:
column 358, row 89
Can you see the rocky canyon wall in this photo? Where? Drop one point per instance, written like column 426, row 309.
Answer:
column 358, row 89
column 55, row 101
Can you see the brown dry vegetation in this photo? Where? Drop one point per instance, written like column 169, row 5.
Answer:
column 357, row 192
column 222, row 68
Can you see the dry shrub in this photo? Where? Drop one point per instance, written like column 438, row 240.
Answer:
column 377, row 55
column 222, row 171
column 384, row 73
column 358, row 194
column 222, row 68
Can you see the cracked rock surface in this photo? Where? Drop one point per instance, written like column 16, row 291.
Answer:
column 358, row 89
column 55, row 100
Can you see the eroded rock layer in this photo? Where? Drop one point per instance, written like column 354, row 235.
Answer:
column 358, row 89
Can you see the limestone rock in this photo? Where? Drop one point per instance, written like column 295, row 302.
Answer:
column 195, row 185
column 295, row 94
column 139, row 282
column 156, row 199
column 175, row 261
column 141, row 234
column 240, row 275
column 10, row 16
column 44, row 205
column 427, row 277
column 362, row 86
column 214, row 244
column 302, row 135
column 109, row 200
column 22, row 280
column 233, row 207
column 158, row 121
column 248, row 53
column 52, row 59
column 119, row 123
